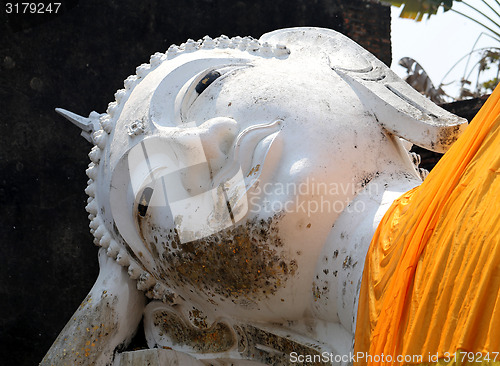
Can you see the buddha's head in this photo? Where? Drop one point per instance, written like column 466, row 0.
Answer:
column 220, row 169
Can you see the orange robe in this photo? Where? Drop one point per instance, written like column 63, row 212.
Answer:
column 431, row 279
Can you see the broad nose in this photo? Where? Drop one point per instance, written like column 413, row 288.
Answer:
column 171, row 175
column 205, row 151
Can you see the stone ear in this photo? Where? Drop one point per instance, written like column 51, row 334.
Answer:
column 403, row 111
column 400, row 109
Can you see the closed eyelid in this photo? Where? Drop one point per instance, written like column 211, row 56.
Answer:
column 208, row 79
column 202, row 82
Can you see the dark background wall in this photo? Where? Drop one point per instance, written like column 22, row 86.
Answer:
column 77, row 60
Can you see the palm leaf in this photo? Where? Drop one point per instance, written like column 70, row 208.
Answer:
column 420, row 81
column 417, row 9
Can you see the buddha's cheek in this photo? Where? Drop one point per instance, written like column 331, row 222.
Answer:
column 246, row 266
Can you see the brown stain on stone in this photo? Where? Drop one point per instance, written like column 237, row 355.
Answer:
column 246, row 259
column 449, row 135
column 86, row 337
column 271, row 349
column 254, row 170
column 218, row 338
column 197, row 318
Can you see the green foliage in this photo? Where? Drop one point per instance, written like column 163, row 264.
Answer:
column 485, row 13
column 489, row 57
column 420, row 81
column 489, row 60
column 416, row 9
column 489, row 86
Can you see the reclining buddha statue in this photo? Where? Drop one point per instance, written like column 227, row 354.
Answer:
column 255, row 203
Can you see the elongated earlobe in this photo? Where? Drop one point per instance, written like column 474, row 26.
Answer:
column 399, row 108
column 404, row 112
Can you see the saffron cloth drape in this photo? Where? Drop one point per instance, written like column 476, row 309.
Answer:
column 432, row 274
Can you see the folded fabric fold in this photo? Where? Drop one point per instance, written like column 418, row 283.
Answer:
column 432, row 275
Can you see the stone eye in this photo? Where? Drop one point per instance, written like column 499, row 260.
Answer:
column 208, row 79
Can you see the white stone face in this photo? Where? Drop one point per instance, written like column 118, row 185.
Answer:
column 246, row 181
column 329, row 146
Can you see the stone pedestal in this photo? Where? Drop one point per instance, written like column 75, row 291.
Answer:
column 155, row 357
column 168, row 357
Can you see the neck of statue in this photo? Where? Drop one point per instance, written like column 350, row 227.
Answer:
column 340, row 266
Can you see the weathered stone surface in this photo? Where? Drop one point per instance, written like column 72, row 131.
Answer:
column 156, row 357
column 77, row 61
column 463, row 108
column 199, row 175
